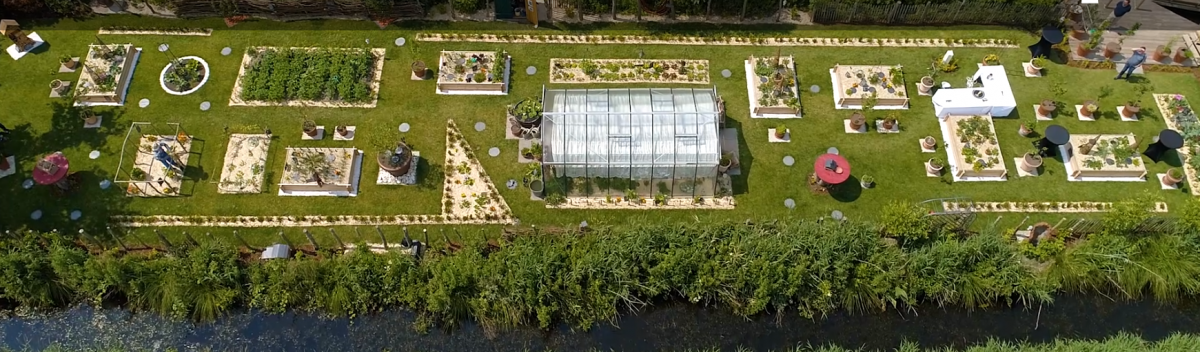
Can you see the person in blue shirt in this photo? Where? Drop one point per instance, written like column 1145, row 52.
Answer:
column 1135, row 60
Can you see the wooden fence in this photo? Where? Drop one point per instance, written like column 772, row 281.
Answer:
column 675, row 10
column 300, row 9
column 963, row 12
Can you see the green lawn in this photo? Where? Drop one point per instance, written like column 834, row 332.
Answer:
column 44, row 125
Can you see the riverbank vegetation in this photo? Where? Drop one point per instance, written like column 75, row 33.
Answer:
column 586, row 278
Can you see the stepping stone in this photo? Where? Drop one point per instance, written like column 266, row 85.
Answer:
column 815, row 89
column 368, row 40
column 725, row 73
column 789, row 160
column 480, row 126
column 837, row 215
column 226, row 51
column 404, row 127
column 511, row 184
column 37, row 214
column 75, row 215
column 205, row 105
column 789, row 203
column 494, row 151
column 832, row 150
column 530, row 70
column 94, row 154
column 105, row 184
column 144, row 102
column 400, row 41
column 27, row 184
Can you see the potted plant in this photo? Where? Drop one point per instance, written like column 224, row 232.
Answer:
column 1111, row 49
column 857, row 120
column 396, row 159
column 342, row 131
column 1046, row 108
column 1089, row 109
column 1036, row 65
column 310, row 127
column 138, row 174
column 56, row 85
column 1172, row 177
column 534, row 152
column 419, row 69
column 890, row 122
column 67, row 62
column 1160, row 53
column 1031, row 161
column 1026, row 128
column 528, row 112
column 935, row 166
column 926, row 85
column 928, row 142
column 726, row 163
column 1131, row 109
column 991, row 59
column 480, row 77
column 89, row 117
column 1085, row 48
column 781, row 131
column 1180, row 55
column 866, row 181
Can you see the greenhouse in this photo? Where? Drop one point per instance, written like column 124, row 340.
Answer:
column 602, row 142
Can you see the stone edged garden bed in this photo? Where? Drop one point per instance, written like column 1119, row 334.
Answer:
column 629, row 71
column 1114, row 156
column 1191, row 149
column 296, row 221
column 468, row 192
column 199, row 32
column 973, row 147
column 739, row 41
column 1038, row 207
column 172, row 81
column 774, row 87
column 106, row 75
column 473, row 71
column 152, row 170
column 248, row 59
column 245, row 164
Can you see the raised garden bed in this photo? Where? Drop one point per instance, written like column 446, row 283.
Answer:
column 245, row 164
column 463, row 72
column 321, row 77
column 184, row 76
column 670, row 39
column 150, row 177
column 320, row 171
column 1105, row 156
column 974, row 148
column 853, row 84
column 628, row 71
column 469, row 192
column 1037, row 207
column 774, row 88
column 1179, row 116
column 106, row 74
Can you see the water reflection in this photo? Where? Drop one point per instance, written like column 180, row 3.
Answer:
column 667, row 327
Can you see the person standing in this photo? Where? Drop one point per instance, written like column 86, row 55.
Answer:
column 1135, row 61
column 1123, row 7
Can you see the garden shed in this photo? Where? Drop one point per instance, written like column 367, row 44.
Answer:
column 650, row 140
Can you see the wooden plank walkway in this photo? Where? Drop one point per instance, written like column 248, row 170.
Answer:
column 1150, row 39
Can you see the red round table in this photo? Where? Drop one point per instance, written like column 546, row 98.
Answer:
column 839, row 174
column 51, row 170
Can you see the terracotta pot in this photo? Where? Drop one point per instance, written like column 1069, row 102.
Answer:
column 56, row 84
column 1078, row 32
column 342, row 131
column 1031, row 162
column 1111, row 49
column 933, row 169
column 1167, row 179
column 1159, row 53
column 1042, row 231
column 311, row 132
column 384, row 161
column 1080, row 50
column 515, row 130
column 857, row 120
column 1024, row 131
column 1085, row 111
column 889, row 124
column 928, row 142
column 1179, row 57
column 1033, row 69
column 1130, row 111
column 1046, row 107
column 91, row 119
column 419, row 69
column 70, row 65
column 780, row 134
column 4, row 163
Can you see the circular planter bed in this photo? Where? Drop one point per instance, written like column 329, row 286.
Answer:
column 185, row 76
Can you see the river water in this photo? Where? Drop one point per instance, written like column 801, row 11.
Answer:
column 675, row 326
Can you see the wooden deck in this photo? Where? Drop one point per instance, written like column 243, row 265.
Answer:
column 1158, row 27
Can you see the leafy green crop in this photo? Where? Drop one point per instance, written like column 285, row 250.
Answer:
column 339, row 75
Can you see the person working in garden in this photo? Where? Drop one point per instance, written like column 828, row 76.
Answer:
column 1123, row 7
column 1135, row 61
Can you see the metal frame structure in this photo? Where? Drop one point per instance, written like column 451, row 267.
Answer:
column 137, row 126
column 649, row 140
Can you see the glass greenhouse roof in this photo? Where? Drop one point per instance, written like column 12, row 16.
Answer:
column 631, row 127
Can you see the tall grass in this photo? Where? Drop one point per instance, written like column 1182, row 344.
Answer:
column 789, row 266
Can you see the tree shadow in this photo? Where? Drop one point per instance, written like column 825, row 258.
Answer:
column 741, row 184
column 848, row 191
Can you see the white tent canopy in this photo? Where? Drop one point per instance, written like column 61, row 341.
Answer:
column 997, row 97
column 651, row 133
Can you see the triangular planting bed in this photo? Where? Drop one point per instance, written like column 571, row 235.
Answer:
column 469, row 194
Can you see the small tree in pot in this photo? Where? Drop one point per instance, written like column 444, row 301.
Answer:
column 926, row 85
column 1131, row 109
column 890, row 121
column 1036, row 65
column 935, row 166
column 1046, row 107
column 781, row 131
column 866, row 181
column 310, row 127
column 342, row 131
column 857, row 120
column 419, row 69
column 726, row 163
column 1031, row 161
column 89, row 117
column 1027, row 127
column 67, row 62
column 1089, row 109
column 1173, row 177
column 928, row 142
column 991, row 59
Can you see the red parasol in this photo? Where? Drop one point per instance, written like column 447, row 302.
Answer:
column 832, row 173
column 51, row 169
